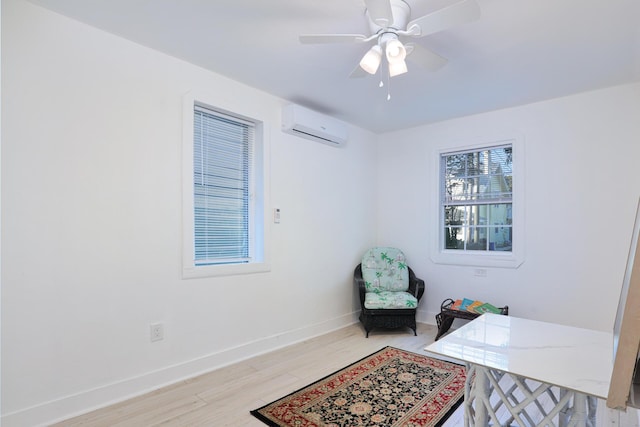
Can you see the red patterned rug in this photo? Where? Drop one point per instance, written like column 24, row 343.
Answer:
column 390, row 388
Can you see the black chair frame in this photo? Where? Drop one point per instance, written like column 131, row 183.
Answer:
column 388, row 318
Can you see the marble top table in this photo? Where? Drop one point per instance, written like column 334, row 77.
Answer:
column 572, row 358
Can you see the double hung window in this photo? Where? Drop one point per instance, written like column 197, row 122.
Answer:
column 224, row 186
column 480, row 205
column 476, row 199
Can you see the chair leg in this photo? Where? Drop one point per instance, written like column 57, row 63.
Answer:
column 365, row 324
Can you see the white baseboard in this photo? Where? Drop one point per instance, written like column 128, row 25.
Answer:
column 88, row 400
column 427, row 317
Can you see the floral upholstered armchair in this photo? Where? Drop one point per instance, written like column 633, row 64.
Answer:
column 389, row 290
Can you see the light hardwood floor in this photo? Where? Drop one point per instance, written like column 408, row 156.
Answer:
column 224, row 397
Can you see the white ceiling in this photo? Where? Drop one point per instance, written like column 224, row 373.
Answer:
column 520, row 51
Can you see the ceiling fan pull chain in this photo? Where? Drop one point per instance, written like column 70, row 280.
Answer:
column 388, row 86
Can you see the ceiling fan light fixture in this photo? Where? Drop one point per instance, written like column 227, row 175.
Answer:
column 395, row 51
column 371, row 60
column 397, row 68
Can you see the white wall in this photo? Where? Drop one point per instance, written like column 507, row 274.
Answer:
column 91, row 221
column 91, row 197
column 582, row 187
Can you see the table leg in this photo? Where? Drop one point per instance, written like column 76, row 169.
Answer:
column 483, row 391
column 581, row 413
column 477, row 395
column 467, row 404
column 579, row 410
column 565, row 414
column 592, row 406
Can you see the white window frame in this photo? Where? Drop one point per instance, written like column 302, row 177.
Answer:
column 260, row 226
column 513, row 259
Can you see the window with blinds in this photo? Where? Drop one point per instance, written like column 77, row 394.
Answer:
column 476, row 197
column 222, row 188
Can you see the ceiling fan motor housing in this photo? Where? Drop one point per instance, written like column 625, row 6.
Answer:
column 400, row 11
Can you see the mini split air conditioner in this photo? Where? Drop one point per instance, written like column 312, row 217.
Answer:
column 312, row 125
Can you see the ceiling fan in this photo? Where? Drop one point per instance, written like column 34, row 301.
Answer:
column 390, row 23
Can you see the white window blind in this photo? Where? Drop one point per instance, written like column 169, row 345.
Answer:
column 222, row 176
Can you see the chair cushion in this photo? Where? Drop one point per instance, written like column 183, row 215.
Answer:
column 385, row 299
column 385, row 269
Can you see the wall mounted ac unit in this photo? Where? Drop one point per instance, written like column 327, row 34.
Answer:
column 312, row 125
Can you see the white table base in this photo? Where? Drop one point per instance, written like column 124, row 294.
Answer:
column 523, row 402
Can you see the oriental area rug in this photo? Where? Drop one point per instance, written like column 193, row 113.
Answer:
column 390, row 388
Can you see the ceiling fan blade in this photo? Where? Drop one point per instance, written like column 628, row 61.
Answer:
column 331, row 38
column 458, row 13
column 380, row 12
column 425, row 58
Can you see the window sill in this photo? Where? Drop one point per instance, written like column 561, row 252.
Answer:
column 224, row 270
column 477, row 259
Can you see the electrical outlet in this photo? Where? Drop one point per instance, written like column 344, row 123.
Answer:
column 156, row 332
column 480, row 272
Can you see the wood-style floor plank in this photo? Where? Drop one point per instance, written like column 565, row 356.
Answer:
column 225, row 396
